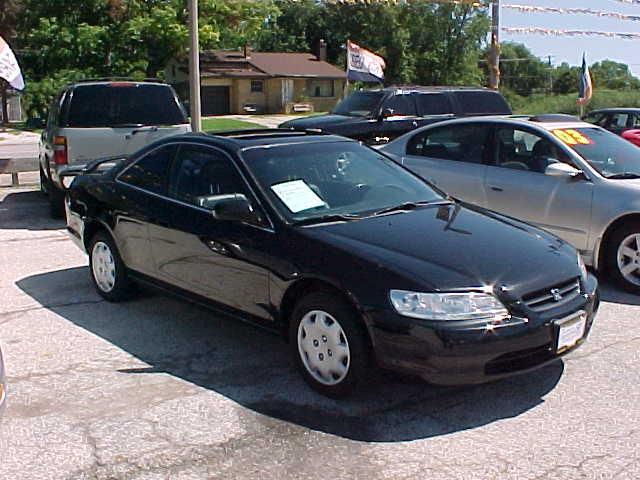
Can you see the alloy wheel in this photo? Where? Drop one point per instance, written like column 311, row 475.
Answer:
column 629, row 258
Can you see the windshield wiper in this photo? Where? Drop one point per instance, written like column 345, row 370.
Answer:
column 624, row 175
column 411, row 206
column 336, row 217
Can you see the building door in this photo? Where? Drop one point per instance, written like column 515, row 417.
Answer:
column 287, row 91
column 215, row 100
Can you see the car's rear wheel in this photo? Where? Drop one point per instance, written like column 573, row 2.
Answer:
column 56, row 201
column 108, row 271
column 623, row 257
column 329, row 344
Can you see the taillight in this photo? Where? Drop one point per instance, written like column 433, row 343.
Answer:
column 60, row 156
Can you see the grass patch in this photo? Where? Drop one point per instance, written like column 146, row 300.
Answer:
column 220, row 124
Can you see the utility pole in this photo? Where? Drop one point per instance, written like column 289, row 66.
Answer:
column 494, row 54
column 194, row 67
column 550, row 75
column 4, row 85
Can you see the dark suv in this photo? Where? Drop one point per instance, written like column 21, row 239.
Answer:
column 378, row 116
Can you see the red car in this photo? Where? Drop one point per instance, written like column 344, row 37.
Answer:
column 633, row 136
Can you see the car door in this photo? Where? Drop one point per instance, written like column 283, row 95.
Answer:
column 399, row 115
column 452, row 157
column 139, row 188
column 225, row 261
column 516, row 185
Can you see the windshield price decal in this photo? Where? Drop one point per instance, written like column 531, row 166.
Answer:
column 572, row 137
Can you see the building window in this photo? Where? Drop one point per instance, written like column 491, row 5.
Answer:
column 321, row 88
column 256, row 86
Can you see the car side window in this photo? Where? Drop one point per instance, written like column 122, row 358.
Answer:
column 464, row 143
column 635, row 121
column 151, row 171
column 202, row 177
column 402, row 104
column 619, row 120
column 433, row 103
column 597, row 119
column 523, row 150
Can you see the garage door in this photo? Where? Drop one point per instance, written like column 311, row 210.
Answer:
column 215, row 100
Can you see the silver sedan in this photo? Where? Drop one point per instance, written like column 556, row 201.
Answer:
column 571, row 178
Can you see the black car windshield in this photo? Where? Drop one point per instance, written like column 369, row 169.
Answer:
column 329, row 180
column 359, row 104
column 124, row 104
column 611, row 155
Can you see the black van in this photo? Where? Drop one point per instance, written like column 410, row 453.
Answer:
column 378, row 116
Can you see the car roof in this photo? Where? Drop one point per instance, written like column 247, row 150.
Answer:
column 546, row 122
column 265, row 137
column 614, row 110
column 427, row 88
column 122, row 81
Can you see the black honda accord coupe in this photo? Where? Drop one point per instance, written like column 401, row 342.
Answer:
column 350, row 256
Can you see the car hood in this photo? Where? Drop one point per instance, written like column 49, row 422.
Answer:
column 451, row 247
column 321, row 121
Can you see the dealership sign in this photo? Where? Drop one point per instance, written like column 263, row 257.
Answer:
column 363, row 65
column 9, row 68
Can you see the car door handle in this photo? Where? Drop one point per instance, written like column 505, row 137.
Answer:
column 496, row 189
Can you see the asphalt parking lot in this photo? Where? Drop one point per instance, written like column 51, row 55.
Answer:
column 157, row 388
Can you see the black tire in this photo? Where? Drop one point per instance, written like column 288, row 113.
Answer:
column 611, row 257
column 44, row 182
column 122, row 286
column 359, row 363
column 56, row 201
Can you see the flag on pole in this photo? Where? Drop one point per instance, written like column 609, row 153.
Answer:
column 586, row 86
column 9, row 68
column 363, row 65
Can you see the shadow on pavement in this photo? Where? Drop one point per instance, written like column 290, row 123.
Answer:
column 252, row 367
column 26, row 209
column 614, row 294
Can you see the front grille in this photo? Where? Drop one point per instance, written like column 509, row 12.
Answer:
column 552, row 297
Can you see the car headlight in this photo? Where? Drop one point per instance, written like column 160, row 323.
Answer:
column 448, row 306
column 582, row 266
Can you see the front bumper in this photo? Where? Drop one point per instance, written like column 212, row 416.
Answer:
column 460, row 354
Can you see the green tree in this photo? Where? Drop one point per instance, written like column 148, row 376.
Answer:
column 520, row 70
column 613, row 76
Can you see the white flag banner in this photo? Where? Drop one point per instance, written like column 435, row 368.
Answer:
column 363, row 65
column 9, row 68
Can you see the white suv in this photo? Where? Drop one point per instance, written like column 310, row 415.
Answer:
column 95, row 119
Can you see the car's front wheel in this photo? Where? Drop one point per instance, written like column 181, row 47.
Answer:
column 108, row 271
column 329, row 344
column 623, row 257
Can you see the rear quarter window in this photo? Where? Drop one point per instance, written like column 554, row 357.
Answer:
column 482, row 102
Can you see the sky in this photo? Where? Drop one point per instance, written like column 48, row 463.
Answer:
column 569, row 49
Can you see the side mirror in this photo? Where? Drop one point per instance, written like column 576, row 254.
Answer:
column 386, row 113
column 235, row 208
column 560, row 169
column 68, row 174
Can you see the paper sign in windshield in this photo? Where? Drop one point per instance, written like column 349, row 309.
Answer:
column 572, row 137
column 297, row 196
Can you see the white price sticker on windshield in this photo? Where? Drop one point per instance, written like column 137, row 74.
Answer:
column 297, row 196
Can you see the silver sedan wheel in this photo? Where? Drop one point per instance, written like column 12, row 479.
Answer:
column 629, row 259
column 323, row 347
column 103, row 266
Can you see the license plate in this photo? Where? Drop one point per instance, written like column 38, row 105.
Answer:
column 570, row 331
